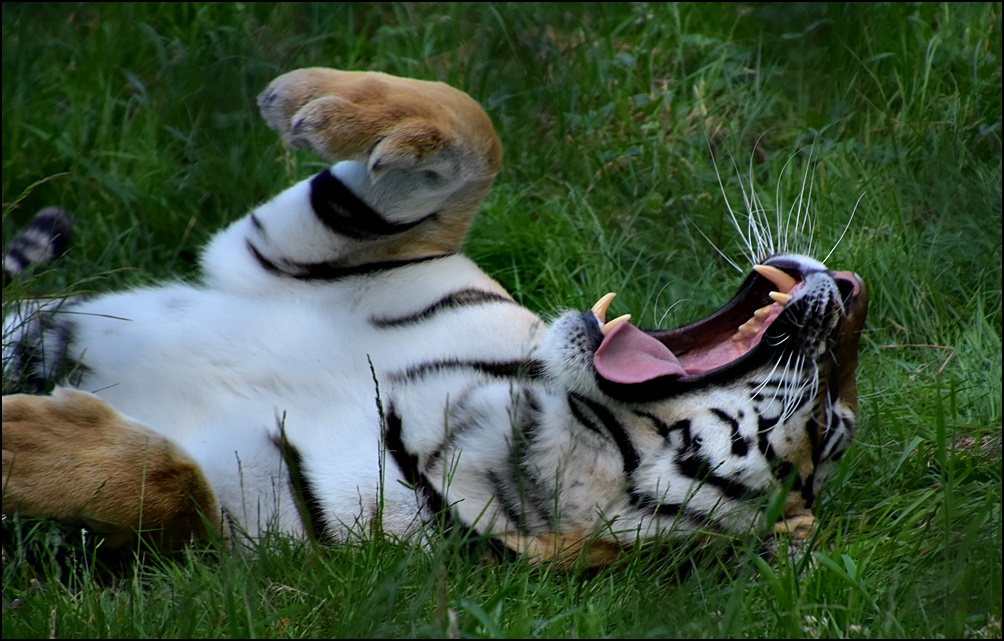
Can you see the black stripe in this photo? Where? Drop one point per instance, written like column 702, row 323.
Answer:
column 344, row 213
column 407, row 463
column 307, row 504
column 230, row 523
column 764, row 427
column 812, row 429
column 461, row 298
column 332, row 271
column 683, row 426
column 40, row 357
column 834, row 435
column 614, row 428
column 781, row 469
column 520, row 369
column 639, row 499
column 18, row 256
column 785, row 472
column 766, row 448
column 651, row 505
column 660, row 425
column 772, row 389
column 695, row 467
column 664, row 429
column 739, row 445
column 511, row 501
column 808, row 489
column 459, row 421
column 698, row 469
column 779, row 383
column 257, row 224
column 531, row 487
column 581, row 417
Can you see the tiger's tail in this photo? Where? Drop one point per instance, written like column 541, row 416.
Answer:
column 43, row 240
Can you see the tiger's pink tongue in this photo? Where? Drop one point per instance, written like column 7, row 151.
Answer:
column 629, row 355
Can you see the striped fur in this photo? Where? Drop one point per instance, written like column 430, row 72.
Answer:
column 41, row 242
column 341, row 365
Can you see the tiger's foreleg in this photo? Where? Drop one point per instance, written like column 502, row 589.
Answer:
column 72, row 457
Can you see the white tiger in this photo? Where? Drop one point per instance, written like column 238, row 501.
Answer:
column 341, row 366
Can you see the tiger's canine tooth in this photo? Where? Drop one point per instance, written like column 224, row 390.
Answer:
column 600, row 312
column 780, row 298
column 781, row 280
column 606, row 328
column 601, row 306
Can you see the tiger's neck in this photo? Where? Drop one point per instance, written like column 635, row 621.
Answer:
column 531, row 464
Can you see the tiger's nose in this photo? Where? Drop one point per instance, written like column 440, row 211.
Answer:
column 851, row 286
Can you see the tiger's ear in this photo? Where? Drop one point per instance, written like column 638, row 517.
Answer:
column 628, row 356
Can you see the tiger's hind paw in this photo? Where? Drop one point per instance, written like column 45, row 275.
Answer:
column 72, row 457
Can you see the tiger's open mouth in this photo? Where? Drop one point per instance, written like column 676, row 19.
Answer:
column 775, row 295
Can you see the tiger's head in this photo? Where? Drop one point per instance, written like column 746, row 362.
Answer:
column 756, row 400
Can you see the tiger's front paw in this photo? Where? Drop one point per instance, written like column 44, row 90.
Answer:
column 382, row 120
column 799, row 526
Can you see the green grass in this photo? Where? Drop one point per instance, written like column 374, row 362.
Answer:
column 141, row 119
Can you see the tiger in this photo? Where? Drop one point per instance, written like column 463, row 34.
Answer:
column 341, row 369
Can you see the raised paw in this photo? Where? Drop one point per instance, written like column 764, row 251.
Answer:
column 72, row 457
column 382, row 120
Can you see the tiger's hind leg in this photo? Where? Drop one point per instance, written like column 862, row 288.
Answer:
column 70, row 456
column 412, row 162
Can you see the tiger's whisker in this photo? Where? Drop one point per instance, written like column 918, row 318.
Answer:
column 846, row 227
